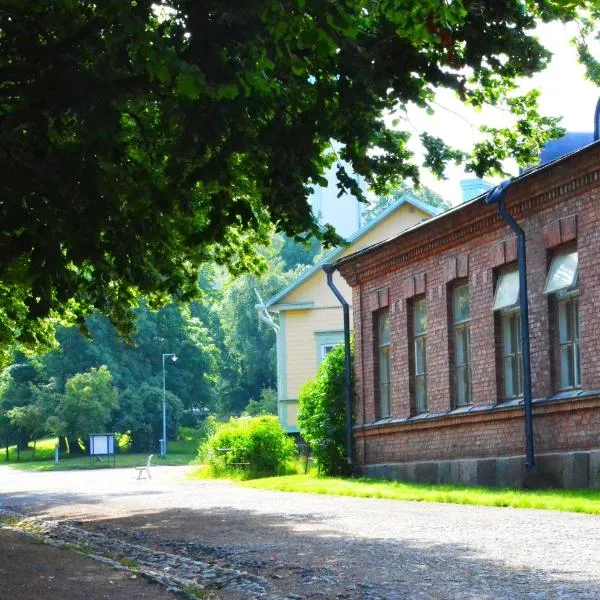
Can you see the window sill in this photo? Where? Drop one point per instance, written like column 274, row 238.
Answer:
column 422, row 415
column 480, row 409
column 463, row 408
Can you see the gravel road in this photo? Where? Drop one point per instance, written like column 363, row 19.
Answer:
column 304, row 546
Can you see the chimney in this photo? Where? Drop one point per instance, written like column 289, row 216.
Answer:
column 471, row 188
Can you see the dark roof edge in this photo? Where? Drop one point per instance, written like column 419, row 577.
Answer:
column 366, row 228
column 464, row 205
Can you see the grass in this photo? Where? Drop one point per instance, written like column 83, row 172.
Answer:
column 581, row 501
column 44, row 451
column 180, row 452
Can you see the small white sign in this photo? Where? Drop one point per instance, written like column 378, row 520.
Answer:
column 102, row 443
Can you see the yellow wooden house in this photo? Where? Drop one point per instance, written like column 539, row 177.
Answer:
column 308, row 315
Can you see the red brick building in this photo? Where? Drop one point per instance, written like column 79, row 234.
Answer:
column 438, row 353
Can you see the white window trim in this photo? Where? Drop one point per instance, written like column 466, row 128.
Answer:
column 502, row 277
column 568, row 286
column 457, row 327
column 325, row 339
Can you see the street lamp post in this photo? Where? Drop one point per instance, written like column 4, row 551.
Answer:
column 164, row 427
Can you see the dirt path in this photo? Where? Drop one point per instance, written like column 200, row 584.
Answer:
column 32, row 571
column 301, row 546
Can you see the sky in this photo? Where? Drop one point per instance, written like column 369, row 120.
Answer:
column 564, row 90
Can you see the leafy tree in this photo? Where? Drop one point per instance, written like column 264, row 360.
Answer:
column 87, row 406
column 250, row 342
column 322, row 414
column 16, row 396
column 6, row 432
column 171, row 329
column 265, row 405
column 588, row 28
column 27, row 421
column 295, row 253
column 139, row 140
column 140, row 413
column 73, row 354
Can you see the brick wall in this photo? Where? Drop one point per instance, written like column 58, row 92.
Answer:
column 559, row 205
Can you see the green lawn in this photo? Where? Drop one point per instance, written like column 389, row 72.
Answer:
column 582, row 501
column 44, row 451
column 180, row 452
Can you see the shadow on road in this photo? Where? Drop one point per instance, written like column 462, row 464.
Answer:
column 305, row 555
column 308, row 555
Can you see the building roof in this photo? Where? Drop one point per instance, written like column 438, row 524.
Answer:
column 465, row 206
column 570, row 142
column 401, row 201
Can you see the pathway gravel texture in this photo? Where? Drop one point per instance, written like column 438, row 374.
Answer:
column 242, row 543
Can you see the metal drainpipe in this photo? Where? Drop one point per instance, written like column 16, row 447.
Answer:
column 497, row 196
column 329, row 269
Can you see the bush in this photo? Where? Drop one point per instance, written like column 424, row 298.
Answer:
column 265, row 405
column 322, row 414
column 258, row 441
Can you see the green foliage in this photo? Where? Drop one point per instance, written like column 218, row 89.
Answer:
column 140, row 413
column 207, row 429
column 249, row 342
column 589, row 36
column 257, row 446
column 139, row 140
column 523, row 141
column 87, row 405
column 265, row 405
column 27, row 421
column 322, row 414
column 296, row 252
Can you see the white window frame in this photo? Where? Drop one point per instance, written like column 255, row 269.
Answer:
column 506, row 277
column 461, row 328
column 326, row 349
column 383, row 358
column 419, row 372
column 553, row 287
column 566, row 299
column 515, row 357
column 327, row 339
column 569, row 378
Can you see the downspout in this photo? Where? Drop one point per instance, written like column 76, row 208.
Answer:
column 362, row 371
column 329, row 269
column 497, row 196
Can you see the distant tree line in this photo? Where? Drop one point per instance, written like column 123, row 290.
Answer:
column 95, row 381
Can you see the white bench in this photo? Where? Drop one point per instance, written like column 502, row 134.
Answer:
column 145, row 468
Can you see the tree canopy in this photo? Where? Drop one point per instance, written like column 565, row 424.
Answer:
column 139, row 140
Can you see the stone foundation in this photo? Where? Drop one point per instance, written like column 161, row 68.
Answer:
column 566, row 470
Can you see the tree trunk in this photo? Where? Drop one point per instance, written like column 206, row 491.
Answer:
column 34, row 445
column 7, row 454
column 74, row 447
column 63, row 446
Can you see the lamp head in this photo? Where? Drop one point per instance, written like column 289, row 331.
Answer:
column 173, row 358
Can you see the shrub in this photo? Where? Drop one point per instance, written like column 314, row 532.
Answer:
column 265, row 405
column 322, row 414
column 258, row 446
